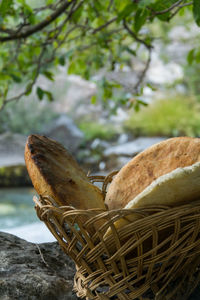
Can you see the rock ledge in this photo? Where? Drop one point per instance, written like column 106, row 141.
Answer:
column 34, row 271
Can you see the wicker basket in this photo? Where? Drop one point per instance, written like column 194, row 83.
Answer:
column 155, row 257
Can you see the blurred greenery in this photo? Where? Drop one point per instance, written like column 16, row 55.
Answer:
column 87, row 36
column 168, row 117
column 14, row 176
column 94, row 130
column 26, row 117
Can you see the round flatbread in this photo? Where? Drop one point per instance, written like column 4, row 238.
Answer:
column 178, row 187
column 55, row 173
column 143, row 169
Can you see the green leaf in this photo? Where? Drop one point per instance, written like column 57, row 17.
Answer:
column 127, row 11
column 93, row 99
column 196, row 11
column 28, row 89
column 153, row 88
column 5, row 6
column 77, row 14
column 72, row 68
column 161, row 5
column 16, row 78
column 129, row 50
column 4, row 77
column 48, row 75
column 49, row 95
column 49, row 2
column 140, row 19
column 40, row 93
column 61, row 60
column 137, row 106
column 142, row 102
column 144, row 3
column 190, row 56
column 197, row 57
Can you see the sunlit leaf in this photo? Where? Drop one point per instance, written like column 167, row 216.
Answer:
column 127, row 11
column 93, row 99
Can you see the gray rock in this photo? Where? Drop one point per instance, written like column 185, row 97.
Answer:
column 34, row 271
column 123, row 138
column 38, row 271
column 65, row 132
column 100, row 144
column 12, row 149
column 12, row 165
column 132, row 148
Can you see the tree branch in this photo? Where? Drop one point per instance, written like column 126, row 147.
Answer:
column 133, row 34
column 177, row 5
column 20, row 95
column 33, row 29
column 143, row 74
column 178, row 8
column 104, row 25
column 164, row 11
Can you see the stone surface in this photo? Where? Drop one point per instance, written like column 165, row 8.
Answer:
column 65, row 132
column 31, row 271
column 133, row 147
column 34, row 271
column 14, row 176
column 12, row 165
column 12, row 149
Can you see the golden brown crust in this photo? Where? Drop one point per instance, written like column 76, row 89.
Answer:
column 54, row 172
column 150, row 164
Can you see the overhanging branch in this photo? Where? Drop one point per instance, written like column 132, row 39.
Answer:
column 134, row 35
column 33, row 29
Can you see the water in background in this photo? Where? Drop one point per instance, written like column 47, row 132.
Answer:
column 18, row 216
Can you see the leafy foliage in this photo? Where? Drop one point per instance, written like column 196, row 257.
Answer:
column 94, row 130
column 86, row 35
column 168, row 117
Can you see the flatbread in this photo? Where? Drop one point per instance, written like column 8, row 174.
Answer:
column 143, row 169
column 178, row 187
column 55, row 173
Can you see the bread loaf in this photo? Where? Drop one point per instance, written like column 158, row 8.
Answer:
column 55, row 173
column 143, row 169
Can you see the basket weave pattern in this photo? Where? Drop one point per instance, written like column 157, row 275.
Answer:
column 155, row 257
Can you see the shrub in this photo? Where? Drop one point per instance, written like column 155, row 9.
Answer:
column 25, row 117
column 168, row 117
column 94, row 130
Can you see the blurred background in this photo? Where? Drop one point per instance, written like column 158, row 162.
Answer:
column 130, row 100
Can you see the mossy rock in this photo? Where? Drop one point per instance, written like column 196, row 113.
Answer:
column 14, row 176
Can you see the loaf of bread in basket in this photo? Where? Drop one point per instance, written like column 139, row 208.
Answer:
column 144, row 168
column 55, row 173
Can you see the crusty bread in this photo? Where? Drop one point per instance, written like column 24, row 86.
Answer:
column 54, row 172
column 143, row 169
